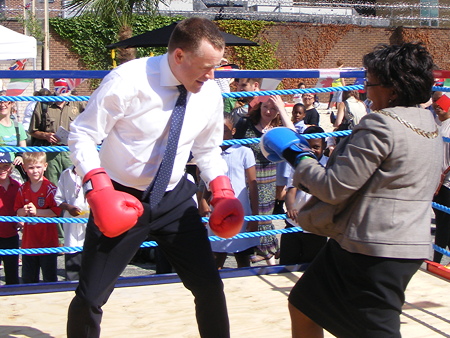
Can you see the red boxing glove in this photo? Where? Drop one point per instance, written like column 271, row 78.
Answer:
column 228, row 215
column 115, row 212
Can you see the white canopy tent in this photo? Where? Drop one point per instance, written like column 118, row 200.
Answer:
column 14, row 46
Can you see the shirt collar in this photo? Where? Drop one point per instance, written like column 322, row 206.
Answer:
column 229, row 150
column 167, row 77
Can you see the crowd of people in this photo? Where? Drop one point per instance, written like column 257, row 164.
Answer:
column 47, row 184
column 261, row 179
column 137, row 188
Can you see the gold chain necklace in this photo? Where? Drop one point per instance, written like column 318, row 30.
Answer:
column 417, row 130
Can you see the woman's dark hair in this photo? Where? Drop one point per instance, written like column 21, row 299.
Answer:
column 408, row 68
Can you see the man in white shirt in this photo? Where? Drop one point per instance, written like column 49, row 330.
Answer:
column 130, row 115
column 441, row 106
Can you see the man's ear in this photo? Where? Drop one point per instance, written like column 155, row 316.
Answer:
column 256, row 85
column 233, row 131
column 178, row 55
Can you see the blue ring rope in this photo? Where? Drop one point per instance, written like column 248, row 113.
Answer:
column 271, row 73
column 56, row 149
column 218, row 74
column 73, row 98
column 5, row 252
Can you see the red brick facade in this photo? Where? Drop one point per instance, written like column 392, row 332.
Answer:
column 302, row 45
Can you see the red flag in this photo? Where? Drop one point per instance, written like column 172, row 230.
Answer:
column 444, row 102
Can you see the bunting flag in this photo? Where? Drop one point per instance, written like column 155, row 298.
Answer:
column 16, row 87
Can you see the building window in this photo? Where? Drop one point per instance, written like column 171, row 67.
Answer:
column 428, row 13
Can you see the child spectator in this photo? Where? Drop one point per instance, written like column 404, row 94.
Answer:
column 35, row 198
column 301, row 247
column 298, row 115
column 242, row 173
column 9, row 238
column 71, row 200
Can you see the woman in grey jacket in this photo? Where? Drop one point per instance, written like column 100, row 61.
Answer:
column 380, row 181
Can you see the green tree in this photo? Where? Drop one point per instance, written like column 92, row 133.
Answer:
column 119, row 13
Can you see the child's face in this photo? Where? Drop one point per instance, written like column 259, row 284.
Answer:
column 35, row 170
column 298, row 114
column 5, row 170
column 317, row 146
column 228, row 130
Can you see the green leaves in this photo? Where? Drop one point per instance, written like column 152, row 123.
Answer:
column 261, row 57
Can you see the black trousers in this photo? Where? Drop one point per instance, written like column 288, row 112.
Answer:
column 177, row 228
column 442, row 235
column 73, row 265
column 300, row 247
column 33, row 264
column 10, row 262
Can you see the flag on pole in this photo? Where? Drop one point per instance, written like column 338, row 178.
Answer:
column 73, row 83
column 16, row 87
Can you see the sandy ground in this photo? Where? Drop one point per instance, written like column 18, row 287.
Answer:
column 257, row 307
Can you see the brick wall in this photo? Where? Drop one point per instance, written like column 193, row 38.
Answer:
column 304, row 45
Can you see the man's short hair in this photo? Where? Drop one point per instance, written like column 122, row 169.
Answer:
column 189, row 33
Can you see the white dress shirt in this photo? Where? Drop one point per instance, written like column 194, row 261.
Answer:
column 27, row 113
column 130, row 113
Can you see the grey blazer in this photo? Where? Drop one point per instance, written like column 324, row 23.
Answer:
column 387, row 174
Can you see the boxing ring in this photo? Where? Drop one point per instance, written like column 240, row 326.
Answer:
column 160, row 306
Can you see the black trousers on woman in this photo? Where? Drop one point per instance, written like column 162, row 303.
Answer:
column 442, row 235
column 177, row 228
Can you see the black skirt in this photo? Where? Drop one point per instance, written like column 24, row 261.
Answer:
column 354, row 295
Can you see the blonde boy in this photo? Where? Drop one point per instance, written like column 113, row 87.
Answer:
column 35, row 198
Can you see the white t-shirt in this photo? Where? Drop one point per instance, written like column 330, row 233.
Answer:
column 238, row 159
column 69, row 191
column 301, row 197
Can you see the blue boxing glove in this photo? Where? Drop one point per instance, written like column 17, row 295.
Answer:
column 282, row 143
